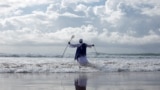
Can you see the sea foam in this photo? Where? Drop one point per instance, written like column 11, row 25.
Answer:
column 61, row 65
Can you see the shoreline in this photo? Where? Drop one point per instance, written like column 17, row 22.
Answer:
column 94, row 81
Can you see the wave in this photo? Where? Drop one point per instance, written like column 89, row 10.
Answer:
column 59, row 65
column 91, row 55
column 30, row 55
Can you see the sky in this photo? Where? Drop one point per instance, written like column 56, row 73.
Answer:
column 45, row 26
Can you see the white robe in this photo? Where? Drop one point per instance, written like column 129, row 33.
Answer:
column 82, row 60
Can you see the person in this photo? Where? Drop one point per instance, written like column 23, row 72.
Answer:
column 80, row 54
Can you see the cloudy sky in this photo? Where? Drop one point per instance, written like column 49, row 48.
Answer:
column 114, row 26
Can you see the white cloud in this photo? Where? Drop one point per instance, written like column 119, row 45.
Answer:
column 131, row 22
column 29, row 36
column 81, row 7
column 110, row 12
column 25, row 3
column 155, row 11
column 9, row 7
column 89, row 33
column 127, row 39
column 70, row 15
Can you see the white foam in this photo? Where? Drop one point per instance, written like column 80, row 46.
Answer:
column 53, row 65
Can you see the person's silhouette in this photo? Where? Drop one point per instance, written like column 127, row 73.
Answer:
column 81, row 82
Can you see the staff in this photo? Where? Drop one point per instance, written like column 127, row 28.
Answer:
column 67, row 46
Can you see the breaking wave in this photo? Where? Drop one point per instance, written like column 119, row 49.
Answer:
column 91, row 55
column 61, row 65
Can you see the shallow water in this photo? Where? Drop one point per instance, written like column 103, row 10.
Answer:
column 92, row 81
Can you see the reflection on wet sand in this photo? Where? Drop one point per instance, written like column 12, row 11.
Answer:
column 81, row 82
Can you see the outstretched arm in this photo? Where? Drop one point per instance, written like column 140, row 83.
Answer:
column 90, row 45
column 73, row 45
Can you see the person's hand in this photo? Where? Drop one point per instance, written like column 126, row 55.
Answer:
column 69, row 43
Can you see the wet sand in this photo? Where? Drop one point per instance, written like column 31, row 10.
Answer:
column 81, row 81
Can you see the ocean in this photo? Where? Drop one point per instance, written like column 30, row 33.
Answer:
column 106, row 72
column 101, row 62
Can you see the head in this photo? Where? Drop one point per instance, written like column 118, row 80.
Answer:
column 80, row 40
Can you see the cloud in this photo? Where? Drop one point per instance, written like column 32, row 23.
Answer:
column 9, row 7
column 127, row 15
column 154, row 11
column 118, row 22
column 27, row 36
column 89, row 33
column 128, row 39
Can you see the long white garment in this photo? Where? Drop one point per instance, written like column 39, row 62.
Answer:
column 83, row 60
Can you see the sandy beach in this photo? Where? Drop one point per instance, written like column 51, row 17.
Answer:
column 89, row 81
